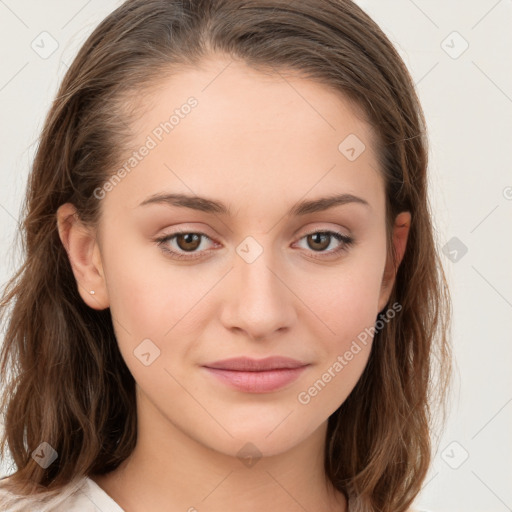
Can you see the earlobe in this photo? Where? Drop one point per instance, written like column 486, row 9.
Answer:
column 84, row 257
column 400, row 234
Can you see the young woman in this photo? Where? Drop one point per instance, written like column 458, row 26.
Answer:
column 231, row 298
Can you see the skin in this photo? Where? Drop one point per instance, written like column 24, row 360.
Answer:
column 256, row 144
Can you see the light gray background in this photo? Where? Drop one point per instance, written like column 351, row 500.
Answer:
column 467, row 98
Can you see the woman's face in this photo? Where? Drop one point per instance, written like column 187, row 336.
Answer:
column 251, row 279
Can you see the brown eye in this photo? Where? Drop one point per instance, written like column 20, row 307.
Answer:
column 188, row 241
column 319, row 241
column 185, row 245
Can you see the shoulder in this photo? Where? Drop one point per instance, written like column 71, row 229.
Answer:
column 82, row 495
column 64, row 499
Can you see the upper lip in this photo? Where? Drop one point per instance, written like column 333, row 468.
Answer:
column 248, row 364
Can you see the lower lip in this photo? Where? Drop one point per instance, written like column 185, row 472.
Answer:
column 257, row 382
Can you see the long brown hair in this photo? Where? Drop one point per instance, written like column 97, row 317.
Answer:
column 64, row 380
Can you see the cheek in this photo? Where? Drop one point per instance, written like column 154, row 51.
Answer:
column 348, row 309
column 147, row 294
column 347, row 304
column 152, row 299
column 345, row 299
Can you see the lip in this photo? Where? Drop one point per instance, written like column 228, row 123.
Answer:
column 257, row 375
column 248, row 364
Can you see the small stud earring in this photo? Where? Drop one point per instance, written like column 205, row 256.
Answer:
column 92, row 292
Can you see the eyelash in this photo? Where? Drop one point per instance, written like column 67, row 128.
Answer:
column 347, row 243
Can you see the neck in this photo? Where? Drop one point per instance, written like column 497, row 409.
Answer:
column 169, row 470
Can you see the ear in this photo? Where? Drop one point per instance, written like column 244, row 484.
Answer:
column 84, row 256
column 401, row 228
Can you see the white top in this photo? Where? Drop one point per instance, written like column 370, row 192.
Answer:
column 85, row 495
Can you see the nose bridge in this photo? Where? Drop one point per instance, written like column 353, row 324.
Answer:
column 259, row 302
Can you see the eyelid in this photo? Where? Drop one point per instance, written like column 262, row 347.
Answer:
column 323, row 229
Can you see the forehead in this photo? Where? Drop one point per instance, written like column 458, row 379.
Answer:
column 250, row 133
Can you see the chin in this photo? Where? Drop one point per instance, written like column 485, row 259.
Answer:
column 265, row 438
column 255, row 445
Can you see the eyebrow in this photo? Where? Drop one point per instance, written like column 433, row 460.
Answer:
column 211, row 206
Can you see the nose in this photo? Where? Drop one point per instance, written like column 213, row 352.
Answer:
column 258, row 299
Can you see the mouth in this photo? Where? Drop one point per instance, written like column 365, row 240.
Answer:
column 256, row 375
